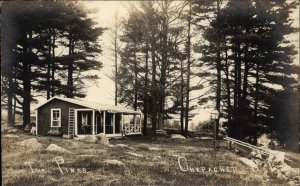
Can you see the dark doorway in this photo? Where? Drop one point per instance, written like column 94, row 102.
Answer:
column 84, row 122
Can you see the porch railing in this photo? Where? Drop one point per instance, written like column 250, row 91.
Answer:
column 131, row 128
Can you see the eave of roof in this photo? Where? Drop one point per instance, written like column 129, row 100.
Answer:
column 93, row 105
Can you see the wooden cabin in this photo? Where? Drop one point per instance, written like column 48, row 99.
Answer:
column 76, row 118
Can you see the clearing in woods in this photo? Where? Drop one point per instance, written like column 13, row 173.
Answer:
column 143, row 160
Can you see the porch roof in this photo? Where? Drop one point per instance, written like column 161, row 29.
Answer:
column 94, row 105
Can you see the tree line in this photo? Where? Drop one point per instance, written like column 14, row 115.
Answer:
column 234, row 53
column 176, row 56
column 46, row 49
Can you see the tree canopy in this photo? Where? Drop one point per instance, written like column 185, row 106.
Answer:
column 33, row 33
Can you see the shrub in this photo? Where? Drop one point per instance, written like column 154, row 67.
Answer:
column 54, row 132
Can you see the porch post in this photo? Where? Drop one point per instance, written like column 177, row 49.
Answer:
column 36, row 122
column 114, row 123
column 122, row 121
column 134, row 123
column 76, row 130
column 140, row 123
column 104, row 113
column 96, row 123
column 93, row 123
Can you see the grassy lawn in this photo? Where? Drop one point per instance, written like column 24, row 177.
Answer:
column 156, row 166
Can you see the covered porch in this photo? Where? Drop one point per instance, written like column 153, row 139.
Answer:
column 112, row 123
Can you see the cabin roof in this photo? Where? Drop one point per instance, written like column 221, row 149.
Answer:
column 93, row 105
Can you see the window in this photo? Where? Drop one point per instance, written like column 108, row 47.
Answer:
column 55, row 117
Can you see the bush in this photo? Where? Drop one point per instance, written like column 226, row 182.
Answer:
column 54, row 132
column 208, row 127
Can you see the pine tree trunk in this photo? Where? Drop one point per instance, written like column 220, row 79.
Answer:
column 181, row 98
column 164, row 62
column 48, row 88
column 9, row 100
column 218, row 93
column 53, row 67
column 245, row 80
column 238, row 129
column 188, row 51
column 146, row 92
column 233, row 128
column 135, row 83
column 227, row 84
column 239, row 86
column 153, row 91
column 116, row 68
column 14, row 111
column 162, row 96
column 70, row 80
column 256, row 98
column 48, row 80
column 27, row 96
column 70, row 72
column 27, row 84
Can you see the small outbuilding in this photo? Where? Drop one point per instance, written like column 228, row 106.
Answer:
column 75, row 118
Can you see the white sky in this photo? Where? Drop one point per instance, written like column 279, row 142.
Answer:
column 105, row 17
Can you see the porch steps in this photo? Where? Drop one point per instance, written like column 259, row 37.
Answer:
column 71, row 126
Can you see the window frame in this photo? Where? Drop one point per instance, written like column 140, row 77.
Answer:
column 59, row 110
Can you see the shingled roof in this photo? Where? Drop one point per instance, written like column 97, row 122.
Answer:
column 93, row 105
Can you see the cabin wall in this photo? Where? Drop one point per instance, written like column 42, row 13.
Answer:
column 44, row 115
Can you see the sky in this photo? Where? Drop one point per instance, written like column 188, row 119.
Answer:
column 105, row 17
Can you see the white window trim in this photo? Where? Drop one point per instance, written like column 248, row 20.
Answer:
column 55, row 109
